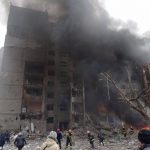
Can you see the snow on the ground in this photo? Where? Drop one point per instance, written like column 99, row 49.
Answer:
column 83, row 144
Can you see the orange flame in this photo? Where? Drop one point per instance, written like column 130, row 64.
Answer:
column 146, row 128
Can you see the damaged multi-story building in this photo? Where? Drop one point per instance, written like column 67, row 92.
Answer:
column 37, row 82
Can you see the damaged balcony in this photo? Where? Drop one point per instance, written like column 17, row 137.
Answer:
column 77, row 105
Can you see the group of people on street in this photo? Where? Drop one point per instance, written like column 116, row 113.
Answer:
column 53, row 141
column 19, row 141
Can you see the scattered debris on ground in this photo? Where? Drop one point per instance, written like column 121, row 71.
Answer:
column 113, row 142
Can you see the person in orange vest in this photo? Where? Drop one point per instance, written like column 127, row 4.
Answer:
column 69, row 138
column 91, row 139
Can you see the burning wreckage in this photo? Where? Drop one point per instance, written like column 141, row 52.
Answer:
column 70, row 71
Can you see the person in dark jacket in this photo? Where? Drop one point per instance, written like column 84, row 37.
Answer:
column 91, row 139
column 144, row 138
column 20, row 141
column 2, row 140
column 7, row 136
column 101, row 137
column 59, row 137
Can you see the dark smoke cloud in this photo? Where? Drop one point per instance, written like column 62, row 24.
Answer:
column 127, row 114
column 90, row 33
column 55, row 8
column 97, row 43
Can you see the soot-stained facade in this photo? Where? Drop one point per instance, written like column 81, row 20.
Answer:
column 37, row 76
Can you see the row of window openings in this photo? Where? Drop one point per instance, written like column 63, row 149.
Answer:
column 62, row 54
column 38, row 92
column 33, row 82
column 63, row 107
column 40, row 69
column 52, row 83
column 62, row 73
column 52, row 63
column 33, row 79
column 49, row 83
column 50, row 72
column 34, row 67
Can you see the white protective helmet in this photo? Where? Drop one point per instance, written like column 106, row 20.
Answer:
column 20, row 133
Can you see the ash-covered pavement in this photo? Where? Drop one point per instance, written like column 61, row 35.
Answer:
column 83, row 144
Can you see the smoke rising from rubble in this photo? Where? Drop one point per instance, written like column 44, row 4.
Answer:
column 97, row 43
column 122, row 110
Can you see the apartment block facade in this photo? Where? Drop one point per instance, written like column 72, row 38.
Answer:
column 37, row 80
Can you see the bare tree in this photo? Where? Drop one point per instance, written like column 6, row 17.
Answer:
column 135, row 101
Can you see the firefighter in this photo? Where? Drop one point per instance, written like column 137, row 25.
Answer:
column 101, row 137
column 69, row 138
column 124, row 132
column 144, row 138
column 90, row 138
